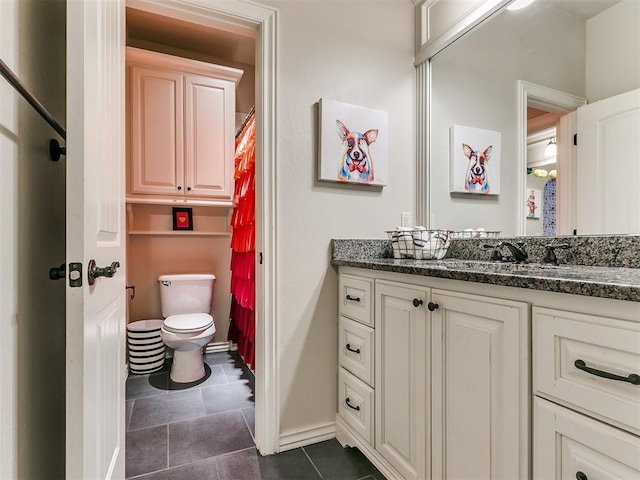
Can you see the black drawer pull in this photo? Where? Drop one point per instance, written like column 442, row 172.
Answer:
column 357, row 350
column 633, row 378
column 581, row 476
column 432, row 306
column 353, row 299
column 417, row 302
column 357, row 407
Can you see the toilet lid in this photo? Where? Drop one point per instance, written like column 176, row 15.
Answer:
column 188, row 322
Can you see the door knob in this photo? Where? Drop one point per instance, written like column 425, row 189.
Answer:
column 94, row 272
column 56, row 273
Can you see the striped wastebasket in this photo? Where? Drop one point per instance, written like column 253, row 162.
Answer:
column 146, row 348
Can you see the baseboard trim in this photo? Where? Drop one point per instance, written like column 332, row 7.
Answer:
column 307, row 436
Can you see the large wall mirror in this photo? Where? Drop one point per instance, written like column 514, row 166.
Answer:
column 524, row 73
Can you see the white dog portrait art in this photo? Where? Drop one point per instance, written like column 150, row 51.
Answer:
column 353, row 144
column 475, row 160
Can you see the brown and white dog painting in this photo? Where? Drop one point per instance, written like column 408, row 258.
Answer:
column 477, row 175
column 356, row 164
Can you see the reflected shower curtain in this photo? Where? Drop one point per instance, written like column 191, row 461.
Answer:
column 243, row 265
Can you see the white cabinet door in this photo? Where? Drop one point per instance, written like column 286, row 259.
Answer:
column 480, row 392
column 209, row 146
column 402, row 376
column 568, row 445
column 156, row 132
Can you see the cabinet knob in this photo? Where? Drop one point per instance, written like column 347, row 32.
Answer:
column 188, row 189
column 179, row 187
column 432, row 306
column 581, row 476
column 417, row 302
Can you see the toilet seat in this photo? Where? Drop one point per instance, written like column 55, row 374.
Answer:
column 188, row 323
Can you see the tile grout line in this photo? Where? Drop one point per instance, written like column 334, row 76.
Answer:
column 168, row 453
column 247, row 424
column 313, row 464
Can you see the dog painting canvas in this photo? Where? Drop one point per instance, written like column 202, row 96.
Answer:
column 353, row 144
column 475, row 161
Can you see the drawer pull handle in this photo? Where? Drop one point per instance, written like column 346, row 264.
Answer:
column 581, row 476
column 357, row 350
column 417, row 302
column 353, row 299
column 357, row 407
column 432, row 306
column 633, row 378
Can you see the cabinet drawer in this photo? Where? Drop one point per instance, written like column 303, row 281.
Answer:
column 356, row 349
column 355, row 294
column 565, row 341
column 566, row 443
column 355, row 404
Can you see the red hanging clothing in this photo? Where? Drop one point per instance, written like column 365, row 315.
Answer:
column 243, row 264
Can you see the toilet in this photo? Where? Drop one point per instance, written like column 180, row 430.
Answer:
column 188, row 325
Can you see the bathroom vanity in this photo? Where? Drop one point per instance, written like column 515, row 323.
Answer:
column 465, row 368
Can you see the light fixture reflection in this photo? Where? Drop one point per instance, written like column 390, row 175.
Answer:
column 518, row 4
column 551, row 149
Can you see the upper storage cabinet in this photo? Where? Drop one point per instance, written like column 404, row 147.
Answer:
column 181, row 117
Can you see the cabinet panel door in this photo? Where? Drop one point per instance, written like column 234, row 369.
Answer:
column 566, row 442
column 401, row 376
column 156, row 133
column 209, row 145
column 606, row 344
column 480, row 391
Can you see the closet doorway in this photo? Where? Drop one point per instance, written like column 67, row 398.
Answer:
column 247, row 31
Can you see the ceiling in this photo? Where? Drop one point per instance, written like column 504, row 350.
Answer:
column 583, row 8
column 192, row 37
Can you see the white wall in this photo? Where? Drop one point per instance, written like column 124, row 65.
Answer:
column 32, row 328
column 359, row 52
column 8, row 245
column 474, row 84
column 613, row 51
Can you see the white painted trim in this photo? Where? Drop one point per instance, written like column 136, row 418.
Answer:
column 544, row 98
column 426, row 48
column 307, row 436
column 247, row 18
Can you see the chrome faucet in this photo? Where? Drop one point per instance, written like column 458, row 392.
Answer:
column 518, row 252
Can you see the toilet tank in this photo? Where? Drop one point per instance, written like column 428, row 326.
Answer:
column 191, row 293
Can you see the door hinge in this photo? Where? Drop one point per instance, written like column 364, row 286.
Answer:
column 75, row 274
column 575, row 139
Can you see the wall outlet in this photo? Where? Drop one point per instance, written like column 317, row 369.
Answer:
column 405, row 219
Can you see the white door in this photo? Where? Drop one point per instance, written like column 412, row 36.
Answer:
column 608, row 199
column 95, row 375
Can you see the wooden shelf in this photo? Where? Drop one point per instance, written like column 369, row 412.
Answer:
column 178, row 202
column 187, row 233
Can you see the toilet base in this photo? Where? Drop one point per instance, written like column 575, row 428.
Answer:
column 187, row 366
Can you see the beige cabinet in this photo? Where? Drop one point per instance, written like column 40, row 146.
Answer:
column 451, row 382
column 181, row 116
column 402, row 376
column 588, row 364
column 569, row 445
column 479, row 386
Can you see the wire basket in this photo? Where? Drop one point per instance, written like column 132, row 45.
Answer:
column 478, row 233
column 419, row 243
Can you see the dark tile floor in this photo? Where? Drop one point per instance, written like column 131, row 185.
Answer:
column 205, row 431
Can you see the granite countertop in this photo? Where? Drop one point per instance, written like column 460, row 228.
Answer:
column 616, row 282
